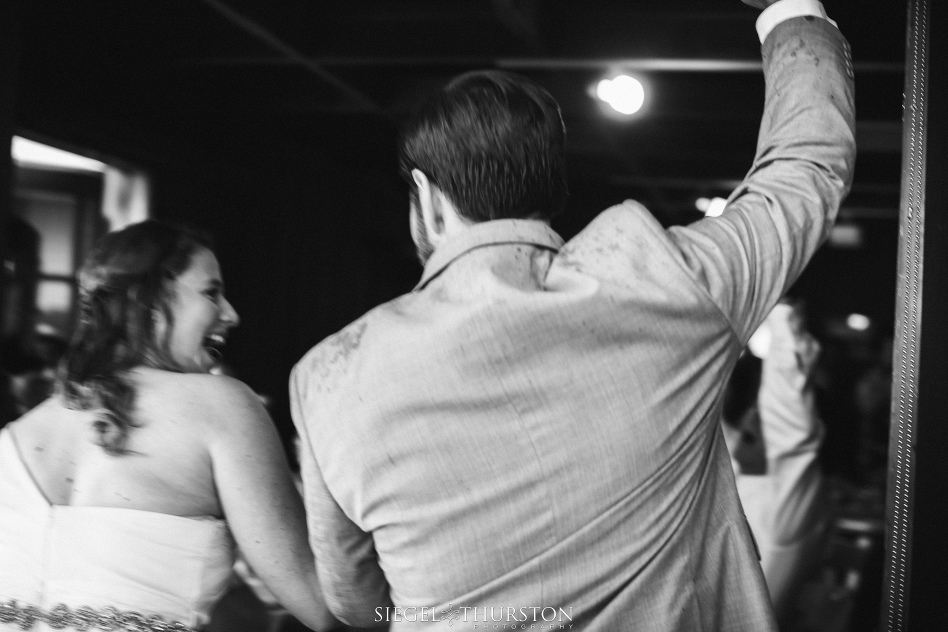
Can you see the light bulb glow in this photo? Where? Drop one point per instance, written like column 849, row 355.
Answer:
column 715, row 207
column 624, row 94
column 604, row 90
column 858, row 322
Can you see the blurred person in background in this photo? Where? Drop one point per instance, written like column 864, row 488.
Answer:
column 17, row 364
column 29, row 368
column 773, row 434
column 122, row 496
column 873, row 398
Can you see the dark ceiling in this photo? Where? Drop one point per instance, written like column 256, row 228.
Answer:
column 245, row 78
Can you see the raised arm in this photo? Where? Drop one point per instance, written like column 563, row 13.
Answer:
column 353, row 582
column 261, row 505
column 783, row 210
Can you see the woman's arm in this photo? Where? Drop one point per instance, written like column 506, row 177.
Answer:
column 259, row 500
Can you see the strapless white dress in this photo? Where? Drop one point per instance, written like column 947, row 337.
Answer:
column 100, row 557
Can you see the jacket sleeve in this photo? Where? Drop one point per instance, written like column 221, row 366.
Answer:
column 784, row 208
column 353, row 583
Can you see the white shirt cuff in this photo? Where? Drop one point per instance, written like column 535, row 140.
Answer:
column 786, row 9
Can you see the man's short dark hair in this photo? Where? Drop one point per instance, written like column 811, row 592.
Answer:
column 493, row 142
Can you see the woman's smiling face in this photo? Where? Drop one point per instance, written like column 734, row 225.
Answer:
column 201, row 316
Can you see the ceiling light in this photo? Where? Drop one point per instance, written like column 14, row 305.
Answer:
column 858, row 322
column 711, row 207
column 31, row 153
column 846, row 236
column 624, row 94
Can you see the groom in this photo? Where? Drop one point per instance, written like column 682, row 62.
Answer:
column 531, row 436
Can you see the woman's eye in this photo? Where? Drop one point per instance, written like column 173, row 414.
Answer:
column 214, row 295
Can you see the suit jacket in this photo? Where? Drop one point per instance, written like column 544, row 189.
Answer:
column 532, row 434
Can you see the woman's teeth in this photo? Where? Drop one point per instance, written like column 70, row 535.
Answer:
column 216, row 340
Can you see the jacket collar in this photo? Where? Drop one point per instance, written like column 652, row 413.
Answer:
column 491, row 233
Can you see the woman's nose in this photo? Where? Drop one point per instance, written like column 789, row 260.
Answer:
column 229, row 314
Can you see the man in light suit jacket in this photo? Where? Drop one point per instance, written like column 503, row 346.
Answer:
column 531, row 437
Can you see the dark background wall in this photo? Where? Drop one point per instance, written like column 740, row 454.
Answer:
column 308, row 242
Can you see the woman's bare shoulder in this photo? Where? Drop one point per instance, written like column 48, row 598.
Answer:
column 195, row 388
column 52, row 412
column 47, row 417
column 214, row 399
column 48, row 409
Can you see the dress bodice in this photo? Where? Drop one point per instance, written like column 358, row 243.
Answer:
column 132, row 560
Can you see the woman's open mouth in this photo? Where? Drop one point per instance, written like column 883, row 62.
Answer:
column 214, row 344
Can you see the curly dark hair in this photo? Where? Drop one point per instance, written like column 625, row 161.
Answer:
column 123, row 285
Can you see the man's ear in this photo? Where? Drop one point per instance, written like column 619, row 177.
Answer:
column 428, row 203
column 436, row 209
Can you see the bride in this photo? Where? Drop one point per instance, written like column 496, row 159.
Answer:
column 123, row 495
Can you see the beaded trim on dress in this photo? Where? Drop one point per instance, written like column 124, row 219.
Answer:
column 86, row 618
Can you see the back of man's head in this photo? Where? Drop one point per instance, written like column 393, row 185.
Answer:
column 493, row 142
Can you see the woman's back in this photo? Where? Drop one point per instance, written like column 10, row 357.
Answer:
column 166, row 467
column 112, row 493
column 136, row 532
